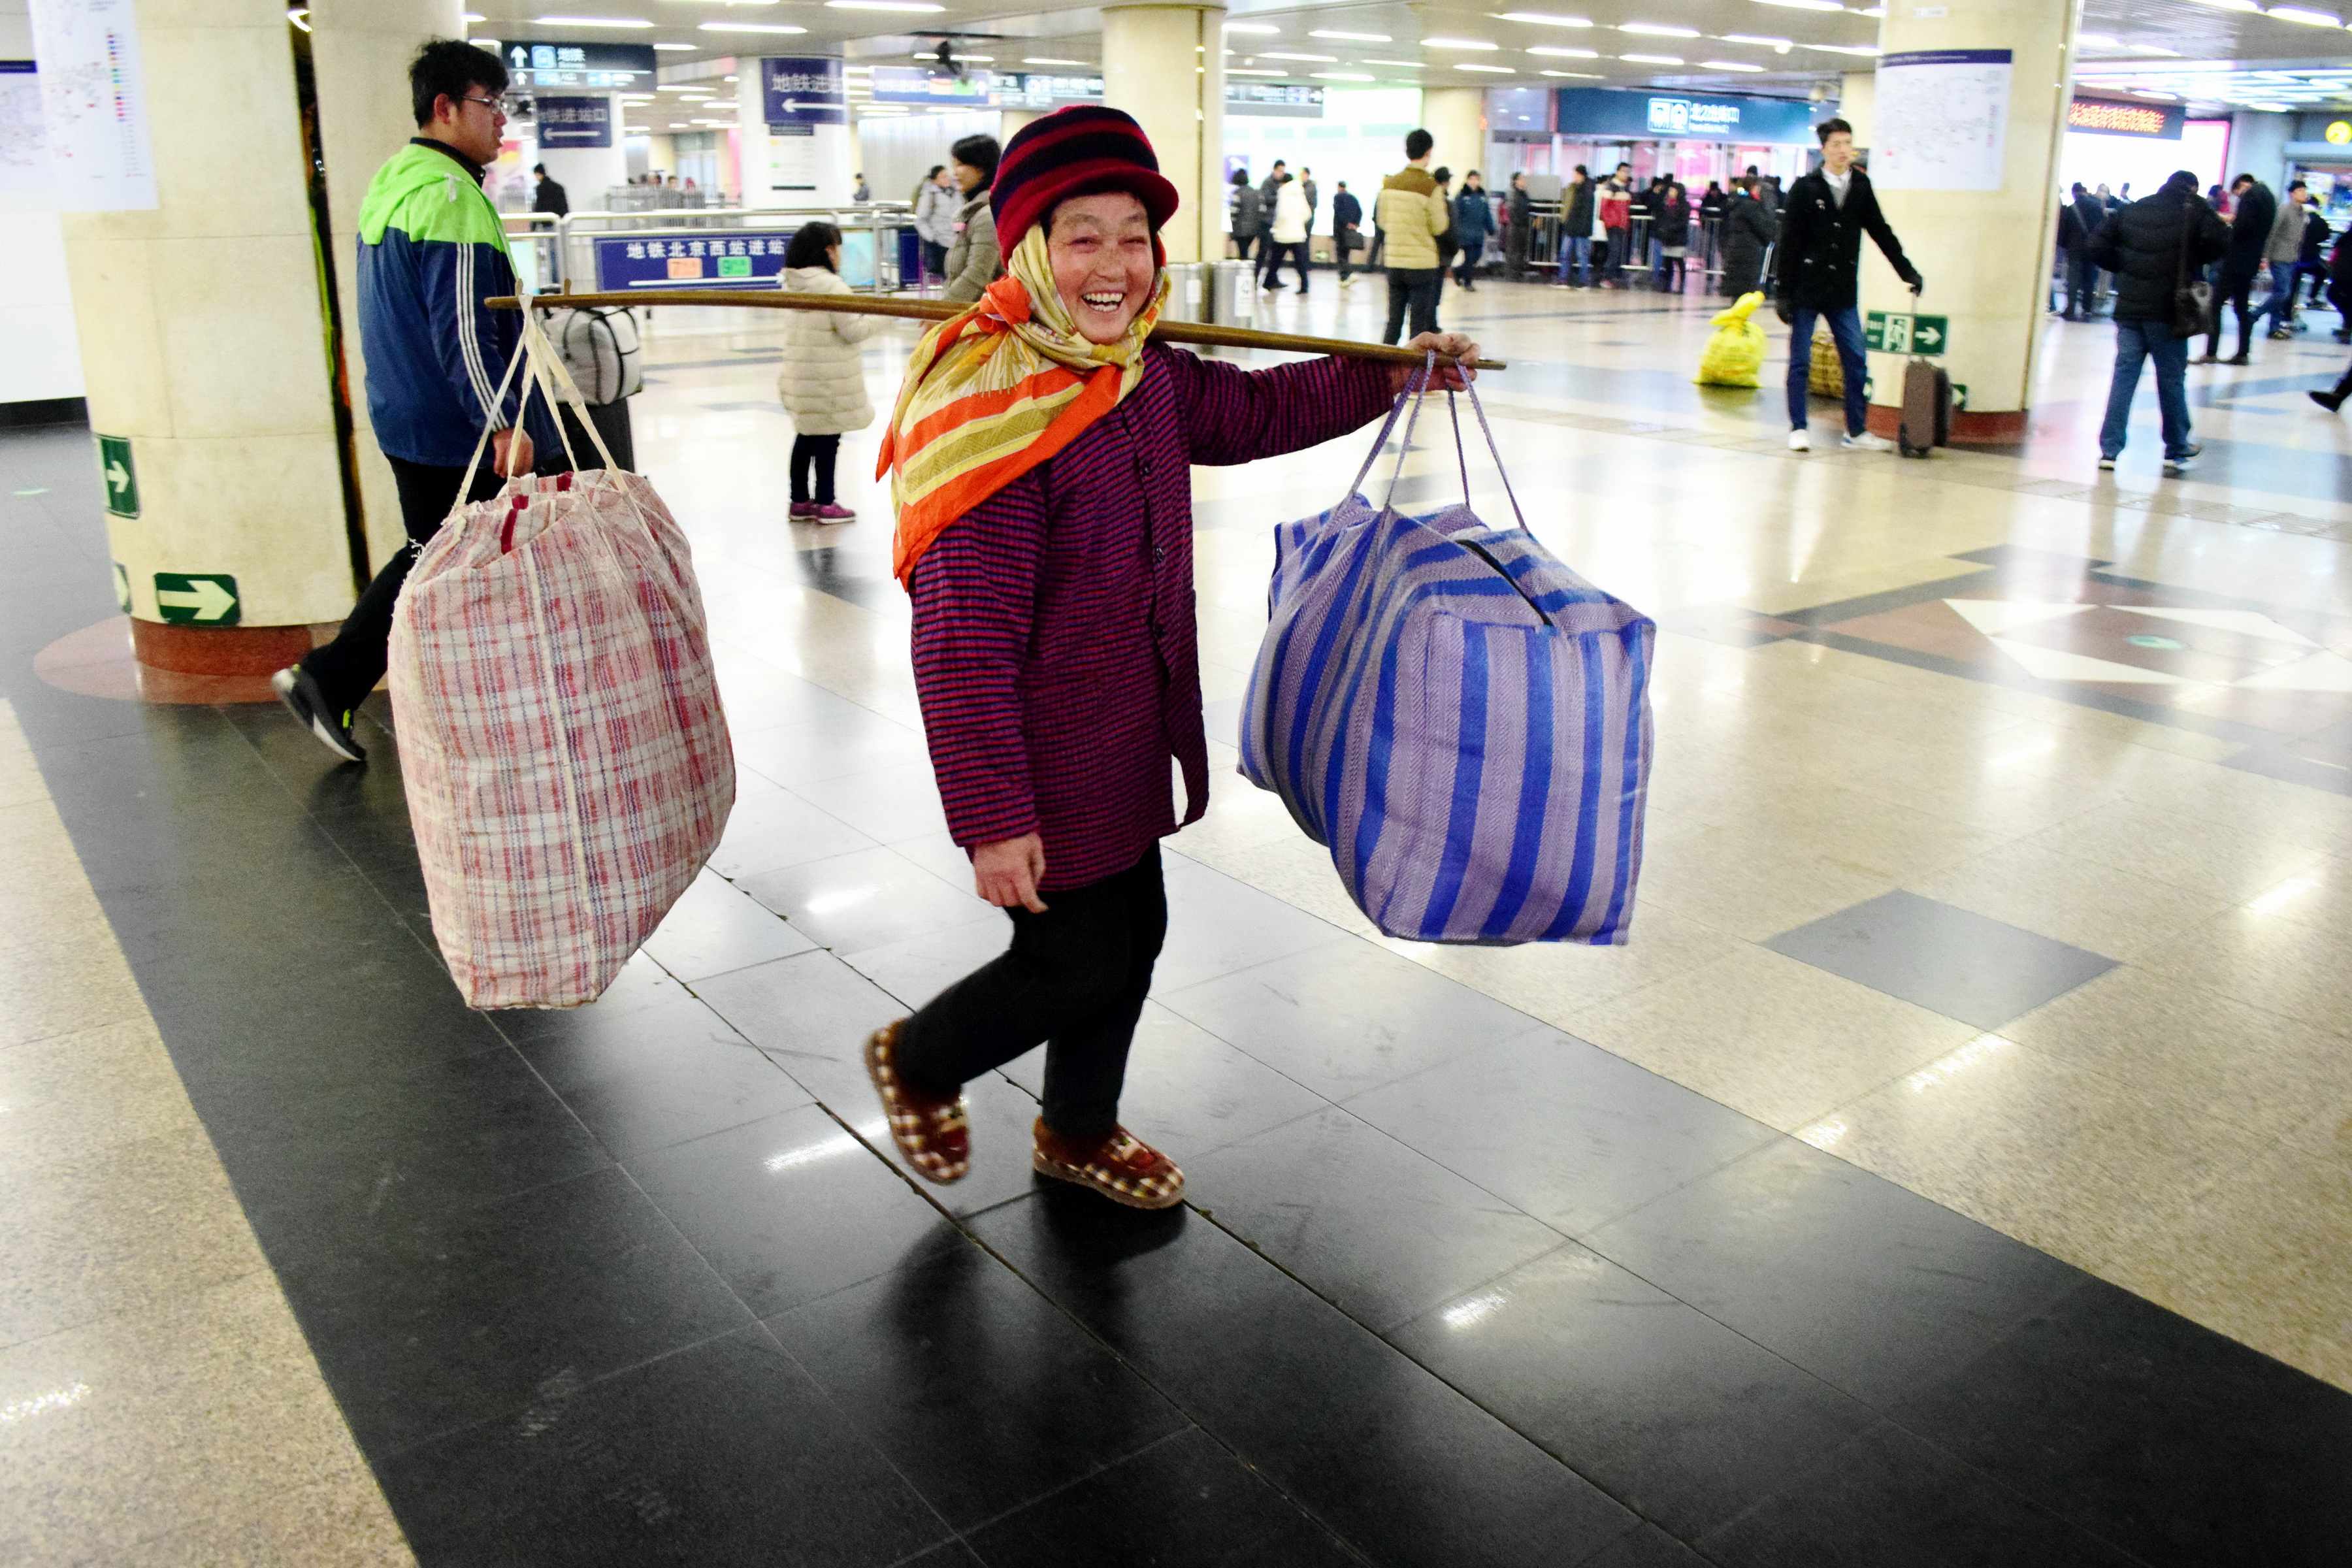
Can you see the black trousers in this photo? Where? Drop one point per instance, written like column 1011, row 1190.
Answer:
column 1415, row 289
column 348, row 668
column 612, row 422
column 1292, row 250
column 2236, row 290
column 815, row 454
column 1075, row 979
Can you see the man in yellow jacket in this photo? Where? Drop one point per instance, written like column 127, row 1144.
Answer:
column 1413, row 211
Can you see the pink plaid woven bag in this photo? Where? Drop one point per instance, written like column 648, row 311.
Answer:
column 567, row 762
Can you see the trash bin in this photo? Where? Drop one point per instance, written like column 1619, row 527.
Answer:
column 1187, row 284
column 910, row 258
column 1232, row 293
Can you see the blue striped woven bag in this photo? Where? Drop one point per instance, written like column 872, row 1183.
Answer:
column 1463, row 722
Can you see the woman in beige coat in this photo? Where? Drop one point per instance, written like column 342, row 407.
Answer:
column 824, row 379
column 973, row 260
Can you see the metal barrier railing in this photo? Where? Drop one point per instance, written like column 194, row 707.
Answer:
column 707, row 247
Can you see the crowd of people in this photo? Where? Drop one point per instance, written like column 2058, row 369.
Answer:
column 2170, row 262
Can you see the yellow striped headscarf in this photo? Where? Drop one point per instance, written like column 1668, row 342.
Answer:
column 994, row 392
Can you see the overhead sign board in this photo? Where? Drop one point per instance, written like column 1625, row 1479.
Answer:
column 914, row 84
column 1277, row 99
column 796, row 94
column 2107, row 117
column 1681, row 116
column 745, row 261
column 574, row 122
column 1047, row 91
column 593, row 64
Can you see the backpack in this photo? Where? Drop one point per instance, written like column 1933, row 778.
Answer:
column 599, row 347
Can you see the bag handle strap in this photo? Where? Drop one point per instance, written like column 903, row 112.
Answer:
column 1412, row 392
column 466, row 486
column 1396, row 407
column 556, row 378
column 1488, row 431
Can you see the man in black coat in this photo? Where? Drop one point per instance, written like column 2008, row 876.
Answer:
column 549, row 197
column 2153, row 247
column 1519, row 226
column 1817, row 274
column 1748, row 230
column 1347, row 229
column 1575, row 231
column 2250, row 230
column 2078, row 220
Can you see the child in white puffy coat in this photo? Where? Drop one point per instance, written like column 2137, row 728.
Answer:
column 824, row 379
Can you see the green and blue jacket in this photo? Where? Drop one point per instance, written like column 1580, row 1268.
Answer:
column 431, row 250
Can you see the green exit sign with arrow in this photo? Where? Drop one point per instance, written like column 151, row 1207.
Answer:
column 1900, row 333
column 121, row 476
column 196, row 598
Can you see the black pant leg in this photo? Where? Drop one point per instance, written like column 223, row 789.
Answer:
column 827, row 450
column 1086, row 1064
column 348, row 668
column 1068, row 979
column 1400, row 291
column 1424, row 300
column 804, row 459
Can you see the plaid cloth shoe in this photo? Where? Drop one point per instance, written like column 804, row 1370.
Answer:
column 931, row 1133
column 1120, row 1166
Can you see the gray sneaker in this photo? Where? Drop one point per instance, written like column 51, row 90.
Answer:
column 2175, row 466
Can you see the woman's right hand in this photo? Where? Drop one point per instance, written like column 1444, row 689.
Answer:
column 1006, row 873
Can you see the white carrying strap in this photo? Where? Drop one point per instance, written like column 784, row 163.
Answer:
column 547, row 373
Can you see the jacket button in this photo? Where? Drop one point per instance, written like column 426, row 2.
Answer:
column 1159, row 552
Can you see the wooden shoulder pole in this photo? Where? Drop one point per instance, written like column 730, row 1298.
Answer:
column 939, row 310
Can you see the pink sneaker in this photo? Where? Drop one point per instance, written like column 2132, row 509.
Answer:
column 830, row 512
column 804, row 512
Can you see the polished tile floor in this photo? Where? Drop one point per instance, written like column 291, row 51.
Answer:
column 1956, row 1167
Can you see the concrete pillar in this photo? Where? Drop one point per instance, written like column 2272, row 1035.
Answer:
column 1986, row 254
column 811, row 170
column 1857, row 96
column 1457, row 118
column 1184, row 112
column 205, row 348
column 360, row 51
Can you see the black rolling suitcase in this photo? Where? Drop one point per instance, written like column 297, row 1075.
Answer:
column 1927, row 407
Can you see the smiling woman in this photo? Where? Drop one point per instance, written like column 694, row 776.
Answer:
column 1041, row 454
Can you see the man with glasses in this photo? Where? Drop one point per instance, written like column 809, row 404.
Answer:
column 431, row 250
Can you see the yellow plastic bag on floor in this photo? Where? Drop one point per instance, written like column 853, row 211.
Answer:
column 1734, row 355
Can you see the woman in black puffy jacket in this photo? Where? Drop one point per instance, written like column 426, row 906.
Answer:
column 1749, row 228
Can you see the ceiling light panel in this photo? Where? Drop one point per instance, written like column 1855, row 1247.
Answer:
column 1543, row 19
column 1353, row 37
column 1457, row 44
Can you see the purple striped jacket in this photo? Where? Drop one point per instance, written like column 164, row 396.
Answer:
column 1054, row 640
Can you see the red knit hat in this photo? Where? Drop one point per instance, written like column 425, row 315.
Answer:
column 1080, row 150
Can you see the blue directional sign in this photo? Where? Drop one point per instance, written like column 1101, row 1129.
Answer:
column 731, row 261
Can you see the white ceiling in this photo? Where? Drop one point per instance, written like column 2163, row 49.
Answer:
column 2205, row 52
